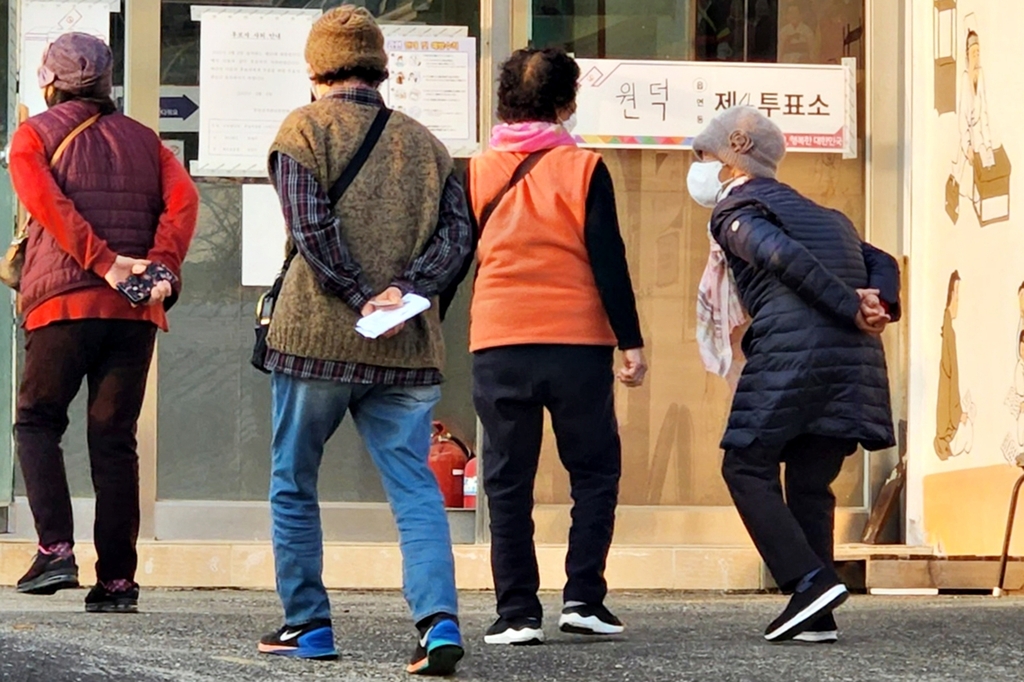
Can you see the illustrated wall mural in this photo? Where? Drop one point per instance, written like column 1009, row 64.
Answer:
column 966, row 247
column 981, row 167
column 955, row 413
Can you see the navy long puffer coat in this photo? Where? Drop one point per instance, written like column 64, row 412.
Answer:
column 809, row 369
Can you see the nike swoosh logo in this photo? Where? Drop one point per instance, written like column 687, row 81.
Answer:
column 285, row 636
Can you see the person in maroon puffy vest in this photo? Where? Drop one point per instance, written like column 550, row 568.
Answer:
column 115, row 201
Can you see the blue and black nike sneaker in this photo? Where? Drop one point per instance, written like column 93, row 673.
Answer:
column 439, row 649
column 314, row 640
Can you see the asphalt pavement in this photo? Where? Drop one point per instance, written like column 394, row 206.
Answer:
column 210, row 636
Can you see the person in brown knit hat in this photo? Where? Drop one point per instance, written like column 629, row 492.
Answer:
column 401, row 228
column 815, row 387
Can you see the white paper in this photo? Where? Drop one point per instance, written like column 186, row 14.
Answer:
column 433, row 80
column 252, row 74
column 263, row 235
column 42, row 23
column 379, row 322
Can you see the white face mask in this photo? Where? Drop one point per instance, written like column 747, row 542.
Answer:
column 703, row 183
column 570, row 123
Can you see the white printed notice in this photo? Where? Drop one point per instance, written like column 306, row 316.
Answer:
column 43, row 22
column 664, row 105
column 433, row 80
column 252, row 74
column 263, row 235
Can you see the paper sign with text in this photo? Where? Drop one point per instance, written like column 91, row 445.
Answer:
column 252, row 74
column 664, row 105
column 433, row 80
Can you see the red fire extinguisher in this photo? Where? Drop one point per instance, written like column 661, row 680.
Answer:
column 469, row 485
column 448, row 457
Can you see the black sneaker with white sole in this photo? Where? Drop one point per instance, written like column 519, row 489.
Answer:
column 515, row 631
column 824, row 594
column 586, row 619
column 824, row 631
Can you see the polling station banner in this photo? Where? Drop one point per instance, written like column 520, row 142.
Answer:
column 665, row 104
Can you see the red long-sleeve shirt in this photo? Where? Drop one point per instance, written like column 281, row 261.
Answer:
column 43, row 199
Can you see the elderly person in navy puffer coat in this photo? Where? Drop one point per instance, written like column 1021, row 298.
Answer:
column 815, row 385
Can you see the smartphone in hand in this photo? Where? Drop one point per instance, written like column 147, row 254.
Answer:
column 138, row 288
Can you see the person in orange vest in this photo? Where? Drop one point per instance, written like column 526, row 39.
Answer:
column 552, row 300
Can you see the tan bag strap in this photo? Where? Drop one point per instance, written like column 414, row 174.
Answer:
column 21, row 220
column 22, row 228
column 71, row 138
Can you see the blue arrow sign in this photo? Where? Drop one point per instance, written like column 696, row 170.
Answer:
column 177, row 107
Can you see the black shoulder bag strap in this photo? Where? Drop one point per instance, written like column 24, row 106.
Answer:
column 521, row 171
column 341, row 185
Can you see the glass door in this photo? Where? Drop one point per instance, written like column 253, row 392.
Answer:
column 213, row 425
column 7, row 211
column 672, row 490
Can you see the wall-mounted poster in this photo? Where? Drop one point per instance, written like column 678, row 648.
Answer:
column 664, row 105
column 41, row 23
column 433, row 80
column 252, row 74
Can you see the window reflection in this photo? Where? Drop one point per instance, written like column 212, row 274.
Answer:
column 214, row 409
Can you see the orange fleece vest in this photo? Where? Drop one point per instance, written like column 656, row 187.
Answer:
column 535, row 284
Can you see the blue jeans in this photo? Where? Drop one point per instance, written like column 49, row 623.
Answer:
column 395, row 425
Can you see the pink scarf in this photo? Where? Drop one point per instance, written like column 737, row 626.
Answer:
column 719, row 310
column 529, row 137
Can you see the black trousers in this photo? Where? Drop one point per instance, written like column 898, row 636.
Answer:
column 113, row 356
column 512, row 387
column 795, row 534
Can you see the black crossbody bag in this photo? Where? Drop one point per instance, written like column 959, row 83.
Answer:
column 265, row 306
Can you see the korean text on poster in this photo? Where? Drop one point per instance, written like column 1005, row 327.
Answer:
column 643, row 104
column 433, row 80
column 252, row 74
column 44, row 22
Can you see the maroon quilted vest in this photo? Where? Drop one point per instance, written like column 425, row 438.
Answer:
column 111, row 172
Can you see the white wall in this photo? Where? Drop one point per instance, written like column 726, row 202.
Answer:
column 989, row 259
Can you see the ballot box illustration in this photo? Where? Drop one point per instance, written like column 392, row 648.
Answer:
column 991, row 197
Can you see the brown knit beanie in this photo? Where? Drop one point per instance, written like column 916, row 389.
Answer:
column 744, row 138
column 346, row 37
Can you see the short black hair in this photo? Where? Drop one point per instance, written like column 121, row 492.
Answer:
column 536, row 84
column 953, row 279
column 972, row 34
column 105, row 103
column 370, row 75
